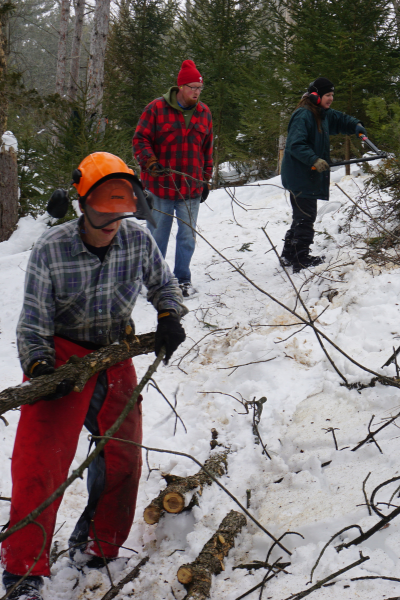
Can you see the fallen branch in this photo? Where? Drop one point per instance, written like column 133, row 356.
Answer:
column 196, row 576
column 319, row 584
column 172, row 499
column 114, row 591
column 367, row 534
column 79, row 370
column 371, row 434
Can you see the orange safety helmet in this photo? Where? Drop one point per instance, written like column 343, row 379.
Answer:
column 122, row 197
column 97, row 168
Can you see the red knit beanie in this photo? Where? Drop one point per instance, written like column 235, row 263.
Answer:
column 189, row 73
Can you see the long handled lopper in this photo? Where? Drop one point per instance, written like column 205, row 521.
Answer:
column 352, row 161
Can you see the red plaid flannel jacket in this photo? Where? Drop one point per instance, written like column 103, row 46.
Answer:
column 162, row 132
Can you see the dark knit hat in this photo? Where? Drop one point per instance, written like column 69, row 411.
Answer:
column 189, row 73
column 322, row 86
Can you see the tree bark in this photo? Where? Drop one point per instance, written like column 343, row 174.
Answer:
column 76, row 50
column 98, row 43
column 196, row 576
column 62, row 47
column 396, row 6
column 172, row 499
column 8, row 192
column 8, row 158
column 347, row 153
column 80, row 370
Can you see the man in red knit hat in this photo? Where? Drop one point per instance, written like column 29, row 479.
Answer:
column 173, row 145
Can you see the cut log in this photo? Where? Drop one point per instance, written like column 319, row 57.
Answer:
column 173, row 498
column 79, row 370
column 196, row 576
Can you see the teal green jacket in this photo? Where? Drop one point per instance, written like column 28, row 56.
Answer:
column 305, row 144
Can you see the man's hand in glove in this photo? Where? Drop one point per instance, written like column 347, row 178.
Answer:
column 41, row 367
column 205, row 192
column 169, row 334
column 154, row 167
column 361, row 129
column 321, row 165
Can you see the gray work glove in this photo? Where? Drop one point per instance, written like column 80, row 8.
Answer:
column 321, row 165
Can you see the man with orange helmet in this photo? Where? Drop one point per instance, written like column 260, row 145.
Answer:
column 173, row 144
column 82, row 282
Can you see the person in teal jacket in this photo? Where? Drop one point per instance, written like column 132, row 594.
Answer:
column 305, row 166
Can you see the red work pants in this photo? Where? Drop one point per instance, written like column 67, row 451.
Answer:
column 45, row 446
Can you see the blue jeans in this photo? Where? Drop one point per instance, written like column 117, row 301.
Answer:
column 187, row 211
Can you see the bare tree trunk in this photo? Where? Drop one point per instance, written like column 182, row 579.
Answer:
column 98, row 45
column 347, row 153
column 396, row 6
column 281, row 148
column 62, row 47
column 8, row 158
column 76, row 50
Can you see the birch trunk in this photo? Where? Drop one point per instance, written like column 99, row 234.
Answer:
column 62, row 47
column 396, row 6
column 8, row 158
column 98, row 45
column 76, row 50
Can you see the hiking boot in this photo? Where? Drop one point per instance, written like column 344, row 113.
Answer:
column 25, row 591
column 187, row 289
column 306, row 262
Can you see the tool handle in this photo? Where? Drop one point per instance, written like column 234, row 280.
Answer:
column 365, row 139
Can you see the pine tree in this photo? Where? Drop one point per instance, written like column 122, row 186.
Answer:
column 220, row 36
column 140, row 62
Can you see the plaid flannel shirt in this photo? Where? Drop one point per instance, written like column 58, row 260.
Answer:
column 69, row 292
column 162, row 132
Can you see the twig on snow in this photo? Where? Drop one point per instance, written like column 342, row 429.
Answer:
column 327, row 544
column 365, row 494
column 320, row 583
column 154, row 384
column 114, row 591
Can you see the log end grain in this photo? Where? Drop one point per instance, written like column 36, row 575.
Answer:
column 174, row 502
column 152, row 514
column 185, row 574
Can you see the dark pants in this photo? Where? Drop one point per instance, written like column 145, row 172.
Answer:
column 300, row 236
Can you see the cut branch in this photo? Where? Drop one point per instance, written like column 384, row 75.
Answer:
column 172, row 499
column 79, row 370
column 196, row 576
column 319, row 584
column 114, row 591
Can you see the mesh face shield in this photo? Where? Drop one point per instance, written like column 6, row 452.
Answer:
column 113, row 200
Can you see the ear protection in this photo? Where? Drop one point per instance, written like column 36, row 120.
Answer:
column 57, row 206
column 314, row 96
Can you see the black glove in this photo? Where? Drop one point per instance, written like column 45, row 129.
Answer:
column 361, row 129
column 170, row 334
column 205, row 192
column 41, row 367
column 157, row 169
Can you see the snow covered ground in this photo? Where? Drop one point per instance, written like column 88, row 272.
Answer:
column 292, row 492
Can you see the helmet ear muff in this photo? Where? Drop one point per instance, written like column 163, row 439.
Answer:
column 58, row 204
column 315, row 98
column 76, row 176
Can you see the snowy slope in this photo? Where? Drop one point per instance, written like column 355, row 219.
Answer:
column 292, row 491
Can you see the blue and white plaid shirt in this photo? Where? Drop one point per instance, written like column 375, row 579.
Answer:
column 69, row 292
